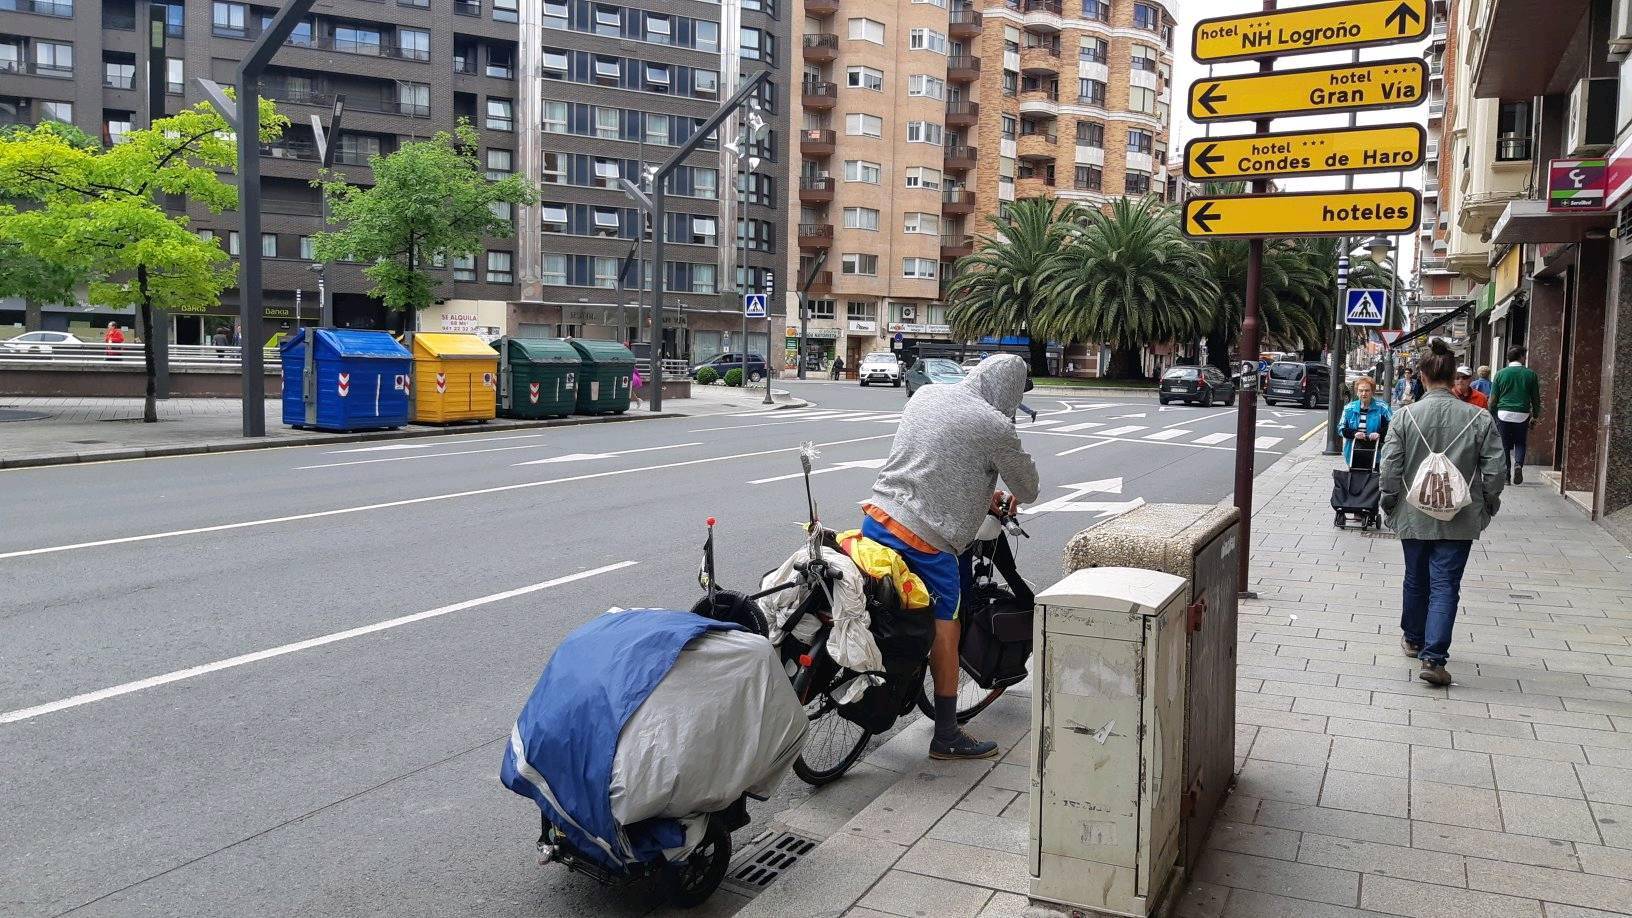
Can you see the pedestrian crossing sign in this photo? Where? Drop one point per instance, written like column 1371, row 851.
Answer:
column 753, row 305
column 1365, row 307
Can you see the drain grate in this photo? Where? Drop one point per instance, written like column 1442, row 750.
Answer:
column 770, row 856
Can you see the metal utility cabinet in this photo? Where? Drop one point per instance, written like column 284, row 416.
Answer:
column 1107, row 740
column 1199, row 543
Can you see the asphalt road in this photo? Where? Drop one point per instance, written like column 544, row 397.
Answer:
column 278, row 682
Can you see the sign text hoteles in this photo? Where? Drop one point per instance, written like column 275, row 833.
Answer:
column 1317, row 213
column 1327, row 27
column 1312, row 91
column 1390, row 148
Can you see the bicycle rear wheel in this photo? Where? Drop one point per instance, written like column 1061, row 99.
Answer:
column 972, row 699
column 831, row 747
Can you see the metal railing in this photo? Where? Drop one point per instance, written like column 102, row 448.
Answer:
column 34, row 68
column 62, row 9
column 672, row 368
column 1512, row 148
column 97, row 354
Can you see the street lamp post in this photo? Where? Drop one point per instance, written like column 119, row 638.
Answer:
column 327, row 145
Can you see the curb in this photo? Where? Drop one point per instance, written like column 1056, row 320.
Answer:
column 233, row 446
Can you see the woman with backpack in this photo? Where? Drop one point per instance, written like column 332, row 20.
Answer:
column 1442, row 478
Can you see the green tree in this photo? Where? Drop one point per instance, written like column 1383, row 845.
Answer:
column 1282, row 296
column 1011, row 277
column 429, row 198
column 1129, row 278
column 96, row 214
column 23, row 274
column 1317, row 269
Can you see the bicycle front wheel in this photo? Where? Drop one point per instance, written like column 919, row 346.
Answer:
column 972, row 699
column 832, row 745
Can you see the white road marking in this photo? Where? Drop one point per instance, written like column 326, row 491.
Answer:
column 1212, row 438
column 1267, row 442
column 826, row 416
column 1040, row 422
column 432, row 444
column 1086, row 425
column 1274, row 426
column 1086, row 446
column 1123, row 417
column 1171, row 433
column 1205, row 417
column 460, row 452
column 1120, row 431
column 433, row 498
column 858, row 464
column 579, row 457
column 259, row 655
column 1096, row 436
column 884, row 416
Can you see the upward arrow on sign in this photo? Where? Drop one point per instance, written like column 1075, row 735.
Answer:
column 1322, row 27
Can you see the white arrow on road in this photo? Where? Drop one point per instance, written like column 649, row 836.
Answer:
column 582, row 457
column 857, row 464
column 1267, row 423
column 1070, row 504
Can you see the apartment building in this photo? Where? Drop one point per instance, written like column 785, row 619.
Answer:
column 1441, row 288
column 587, row 93
column 1077, row 97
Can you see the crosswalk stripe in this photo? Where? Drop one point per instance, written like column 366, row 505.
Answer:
column 1213, row 438
column 1071, row 428
column 868, row 416
column 1169, row 434
column 1122, row 431
column 1266, row 442
column 1042, row 422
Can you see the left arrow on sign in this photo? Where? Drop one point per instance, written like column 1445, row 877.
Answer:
column 1210, row 98
column 1204, row 218
column 1206, row 159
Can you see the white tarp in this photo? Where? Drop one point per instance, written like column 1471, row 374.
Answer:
column 850, row 643
column 723, row 722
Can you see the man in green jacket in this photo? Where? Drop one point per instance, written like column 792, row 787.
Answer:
column 1515, row 400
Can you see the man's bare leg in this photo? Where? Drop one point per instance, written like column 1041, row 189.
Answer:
column 950, row 742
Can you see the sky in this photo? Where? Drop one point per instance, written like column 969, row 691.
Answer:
column 1186, row 71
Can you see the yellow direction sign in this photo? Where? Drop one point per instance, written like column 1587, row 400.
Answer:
column 1316, row 213
column 1392, row 148
column 1327, row 27
column 1311, row 91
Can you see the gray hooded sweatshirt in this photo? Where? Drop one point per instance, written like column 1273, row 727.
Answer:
column 953, row 443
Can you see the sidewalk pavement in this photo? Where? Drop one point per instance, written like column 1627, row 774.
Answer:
column 102, row 429
column 1360, row 791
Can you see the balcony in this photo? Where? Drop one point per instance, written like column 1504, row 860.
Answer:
column 962, row 114
column 1044, row 102
column 1522, row 43
column 1038, row 145
column 1512, row 149
column 822, row 282
column 817, row 142
column 958, row 201
column 816, row 189
column 1043, row 15
column 820, row 8
column 963, row 68
column 467, row 8
column 961, row 158
column 61, row 10
column 821, row 49
column 290, row 149
column 1041, row 61
column 1094, row 185
column 818, row 95
column 290, row 208
column 955, row 247
column 962, row 23
column 1436, row 111
column 815, row 235
column 33, row 68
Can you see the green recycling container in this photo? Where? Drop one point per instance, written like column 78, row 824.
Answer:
column 538, row 377
column 605, row 378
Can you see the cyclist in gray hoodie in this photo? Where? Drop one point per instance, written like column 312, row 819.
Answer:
column 932, row 495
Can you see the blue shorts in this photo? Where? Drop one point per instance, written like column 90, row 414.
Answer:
column 941, row 571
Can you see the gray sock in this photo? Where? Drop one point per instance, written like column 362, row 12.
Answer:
column 946, row 718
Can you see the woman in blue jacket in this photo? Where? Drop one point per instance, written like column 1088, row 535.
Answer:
column 1365, row 420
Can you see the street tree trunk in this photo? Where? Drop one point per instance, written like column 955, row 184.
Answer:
column 150, row 405
column 1124, row 364
column 1218, row 350
column 1039, row 356
column 33, row 315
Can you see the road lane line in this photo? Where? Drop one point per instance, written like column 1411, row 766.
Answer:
column 204, row 669
column 1212, row 438
column 1205, row 417
column 453, row 440
column 461, row 452
column 574, row 457
column 433, row 498
column 1317, row 429
column 1078, row 449
column 1095, row 436
column 1120, row 431
column 1169, row 433
column 838, row 416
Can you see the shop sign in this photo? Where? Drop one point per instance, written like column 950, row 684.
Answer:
column 863, row 325
column 913, row 328
column 822, row 333
column 1577, row 184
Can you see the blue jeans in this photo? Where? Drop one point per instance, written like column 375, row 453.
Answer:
column 1433, row 589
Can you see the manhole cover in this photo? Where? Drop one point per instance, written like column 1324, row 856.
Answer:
column 766, row 859
column 18, row 414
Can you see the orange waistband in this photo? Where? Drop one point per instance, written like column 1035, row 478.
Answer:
column 899, row 531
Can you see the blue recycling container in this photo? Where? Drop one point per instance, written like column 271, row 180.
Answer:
column 345, row 379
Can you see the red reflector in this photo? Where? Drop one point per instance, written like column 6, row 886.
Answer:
column 806, row 660
column 710, row 521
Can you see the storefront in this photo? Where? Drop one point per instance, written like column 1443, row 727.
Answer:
column 860, row 339
column 484, row 318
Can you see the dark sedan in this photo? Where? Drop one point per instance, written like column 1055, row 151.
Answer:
column 1196, row 385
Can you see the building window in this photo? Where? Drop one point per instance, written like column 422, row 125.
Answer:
column 922, row 84
column 1137, row 183
column 552, row 271
column 414, row 44
column 925, row 132
column 919, row 267
column 554, row 171
column 53, row 59
column 1094, row 50
column 705, row 84
column 553, row 217
column 1143, row 57
column 1091, row 92
column 1142, row 99
column 1011, row 83
column 822, row 309
column 864, row 218
column 1140, row 141
column 555, row 64
column 923, row 177
column 175, row 78
column 308, row 248
column 703, row 278
column 705, row 183
column 1090, row 134
column 1146, row 16
column 704, row 231
column 656, row 129
column 505, row 11
column 501, row 62
column 356, row 149
column 1090, row 178
column 1513, row 132
column 501, row 115
column 657, row 78
column 608, row 70
column 861, row 311
column 864, row 78
column 608, row 123
column 857, row 124
column 659, row 29
column 414, row 99
column 500, row 163
column 269, row 245
column 227, row 19
column 1096, row 10
column 757, row 46
column 608, row 21
column 555, row 14
column 607, row 221
column 604, row 271
column 233, row 248
column 867, row 30
column 502, row 210
column 860, row 170
column 499, row 267
column 858, row 264
column 706, row 35
column 114, row 74
column 924, row 224
column 115, row 129
column 1009, row 125
column 555, row 117
column 926, row 40
column 464, row 268
column 57, row 111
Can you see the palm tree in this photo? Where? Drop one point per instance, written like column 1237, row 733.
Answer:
column 1129, row 278
column 1284, row 289
column 1318, row 267
column 1008, row 281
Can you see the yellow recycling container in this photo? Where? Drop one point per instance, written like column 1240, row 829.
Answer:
column 456, row 378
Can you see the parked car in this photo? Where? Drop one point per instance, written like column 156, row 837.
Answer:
column 1306, row 383
column 725, row 363
column 39, row 342
column 933, row 370
column 1192, row 385
column 881, row 367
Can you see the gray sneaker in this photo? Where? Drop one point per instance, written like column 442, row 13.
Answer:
column 962, row 746
column 1434, row 674
column 1411, row 650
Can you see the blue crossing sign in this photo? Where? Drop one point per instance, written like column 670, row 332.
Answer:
column 753, row 306
column 1365, row 308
